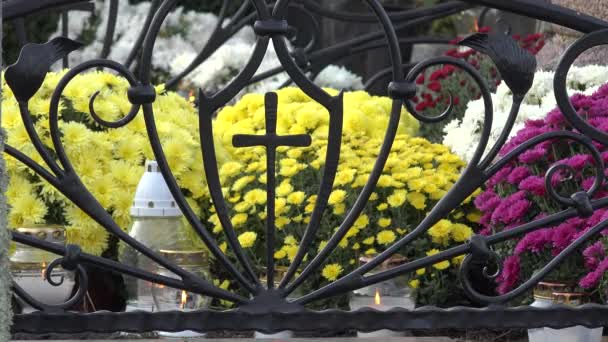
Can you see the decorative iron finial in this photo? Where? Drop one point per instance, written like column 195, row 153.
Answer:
column 27, row 74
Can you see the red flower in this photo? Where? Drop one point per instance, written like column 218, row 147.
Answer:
column 456, row 100
column 448, row 69
column 420, row 79
column 436, row 75
column 421, row 106
column 533, row 37
column 453, row 53
column 435, row 86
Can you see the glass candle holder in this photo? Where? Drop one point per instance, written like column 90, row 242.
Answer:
column 28, row 268
column 383, row 296
column 548, row 294
column 169, row 299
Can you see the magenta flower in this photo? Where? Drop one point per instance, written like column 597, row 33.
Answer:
column 512, row 209
column 593, row 278
column 533, row 155
column 578, row 162
column 534, row 184
column 563, row 236
column 500, row 176
column 487, row 201
column 517, row 194
column 593, row 254
column 518, row 174
column 534, row 242
column 509, row 275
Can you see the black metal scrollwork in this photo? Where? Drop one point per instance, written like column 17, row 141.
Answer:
column 266, row 308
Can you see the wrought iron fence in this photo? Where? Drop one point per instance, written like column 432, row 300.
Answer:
column 267, row 307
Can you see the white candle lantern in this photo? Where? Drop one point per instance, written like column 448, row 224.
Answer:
column 28, row 267
column 384, row 296
column 158, row 224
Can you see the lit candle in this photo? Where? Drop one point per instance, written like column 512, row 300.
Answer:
column 184, row 300
column 384, row 296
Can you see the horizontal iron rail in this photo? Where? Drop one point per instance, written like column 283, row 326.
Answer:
column 498, row 317
column 12, row 9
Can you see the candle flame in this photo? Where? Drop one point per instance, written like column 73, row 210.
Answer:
column 476, row 25
column 377, row 297
column 43, row 272
column 184, row 299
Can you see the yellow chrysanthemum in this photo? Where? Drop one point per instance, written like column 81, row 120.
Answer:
column 255, row 196
column 296, row 197
column 397, row 198
column 440, row 232
column 384, row 222
column 239, row 219
column 361, row 222
column 284, row 189
column 385, row 237
column 247, row 239
column 417, row 200
column 337, row 197
column 461, row 232
column 331, row 272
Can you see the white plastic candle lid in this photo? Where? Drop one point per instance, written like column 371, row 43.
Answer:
column 152, row 197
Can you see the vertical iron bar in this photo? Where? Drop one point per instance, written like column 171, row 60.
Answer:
column 142, row 34
column 110, row 28
column 271, row 102
column 64, row 32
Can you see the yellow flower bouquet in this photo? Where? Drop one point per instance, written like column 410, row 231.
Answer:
column 109, row 161
column 417, row 174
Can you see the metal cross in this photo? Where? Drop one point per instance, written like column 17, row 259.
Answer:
column 271, row 141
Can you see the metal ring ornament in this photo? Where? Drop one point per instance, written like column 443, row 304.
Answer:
column 585, row 43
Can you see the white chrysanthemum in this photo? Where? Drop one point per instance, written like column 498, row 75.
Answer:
column 182, row 37
column 539, row 101
column 339, row 77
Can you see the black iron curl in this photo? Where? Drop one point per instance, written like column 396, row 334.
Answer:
column 421, row 67
column 577, row 199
